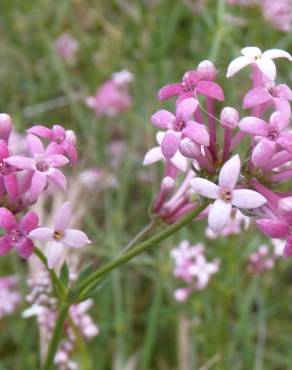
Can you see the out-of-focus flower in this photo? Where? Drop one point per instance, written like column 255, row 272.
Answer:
column 192, row 267
column 113, row 96
column 67, row 47
column 263, row 259
column 59, row 236
column 10, row 297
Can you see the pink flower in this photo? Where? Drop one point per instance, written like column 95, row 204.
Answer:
column 264, row 61
column 194, row 83
column 43, row 166
column 5, row 126
column 279, row 13
column 226, row 195
column 268, row 135
column 61, row 141
column 16, row 232
column 179, row 126
column 10, row 297
column 261, row 260
column 67, row 47
column 8, row 179
column 59, row 236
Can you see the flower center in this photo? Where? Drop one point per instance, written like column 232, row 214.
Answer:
column 179, row 124
column 226, row 195
column 58, row 235
column 5, row 168
column 42, row 166
column 188, row 86
column 273, row 135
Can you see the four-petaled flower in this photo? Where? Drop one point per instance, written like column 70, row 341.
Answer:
column 226, row 195
column 59, row 236
column 264, row 61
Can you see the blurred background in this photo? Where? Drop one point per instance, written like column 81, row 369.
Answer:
column 242, row 320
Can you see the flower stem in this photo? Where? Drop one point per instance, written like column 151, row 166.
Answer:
column 90, row 282
column 56, row 337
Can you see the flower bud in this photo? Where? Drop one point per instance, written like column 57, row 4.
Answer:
column 189, row 149
column 167, row 184
column 285, row 207
column 207, row 70
column 229, row 118
column 5, row 126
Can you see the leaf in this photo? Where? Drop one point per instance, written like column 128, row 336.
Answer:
column 64, row 275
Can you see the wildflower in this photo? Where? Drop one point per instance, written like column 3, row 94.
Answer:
column 264, row 61
column 261, row 260
column 66, row 47
column 10, row 297
column 59, row 236
column 226, row 195
column 16, row 232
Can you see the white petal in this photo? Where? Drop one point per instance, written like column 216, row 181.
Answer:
column 229, row 173
column 219, row 215
column 159, row 137
column 42, row 234
column 54, row 252
column 179, row 161
column 153, row 155
column 236, row 65
column 276, row 53
column 267, row 67
column 75, row 238
column 248, row 199
column 251, row 52
column 204, row 187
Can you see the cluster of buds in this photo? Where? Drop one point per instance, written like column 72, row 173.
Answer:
column 10, row 297
column 24, row 177
column 44, row 306
column 192, row 267
column 112, row 97
column 191, row 143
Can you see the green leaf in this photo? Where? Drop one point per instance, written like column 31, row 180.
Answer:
column 64, row 275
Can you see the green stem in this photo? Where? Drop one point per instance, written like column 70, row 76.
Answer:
column 90, row 282
column 56, row 337
column 56, row 281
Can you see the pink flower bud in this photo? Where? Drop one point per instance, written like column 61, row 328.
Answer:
column 285, row 207
column 229, row 118
column 5, row 126
column 207, row 70
column 189, row 149
column 167, row 184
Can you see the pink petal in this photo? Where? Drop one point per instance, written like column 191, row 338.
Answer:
column 179, row 161
column 197, row 133
column 219, row 215
column 38, row 184
column 75, row 238
column 204, row 187
column 35, row 145
column 54, row 148
column 170, row 144
column 276, row 53
column 169, row 91
column 54, row 253
column 24, row 248
column 288, row 248
column 41, row 131
column 58, row 178
column 163, row 119
column 42, row 234
column 5, row 126
column 278, row 121
column 71, row 152
column 5, row 245
column 7, row 220
column 4, row 151
column 59, row 132
column 153, row 155
column 273, row 228
column 284, row 91
column 285, row 140
column 57, row 160
column 263, row 152
column 256, row 96
column 63, row 217
column 191, row 78
column 23, row 163
column 247, row 199
column 236, row 65
column 267, row 67
column 253, row 126
column 29, row 222
column 11, row 186
column 229, row 173
column 283, row 106
column 210, row 89
column 186, row 108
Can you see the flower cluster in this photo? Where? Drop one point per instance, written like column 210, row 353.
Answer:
column 24, row 177
column 67, row 47
column 9, row 295
column 263, row 259
column 190, row 142
column 44, row 306
column 192, row 267
column 112, row 97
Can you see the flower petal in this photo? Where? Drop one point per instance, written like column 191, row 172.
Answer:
column 35, row 145
column 11, row 186
column 253, row 126
column 276, row 53
column 247, row 199
column 186, row 108
column 56, row 160
column 204, row 187
column 267, row 67
column 38, row 183
column 210, row 89
column 42, row 234
column 29, row 222
column 24, row 248
column 219, row 215
column 285, row 140
column 41, row 131
column 168, row 91
column 7, row 219
column 179, row 161
column 283, row 106
column 284, row 91
column 273, row 228
column 58, row 178
column 236, row 65
column 256, row 96
column 75, row 238
column 5, row 244
column 163, row 119
column 63, row 217
column 153, row 155
column 251, row 52
column 23, row 163
column 170, row 144
column 263, row 152
column 229, row 173
column 54, row 252
column 197, row 133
